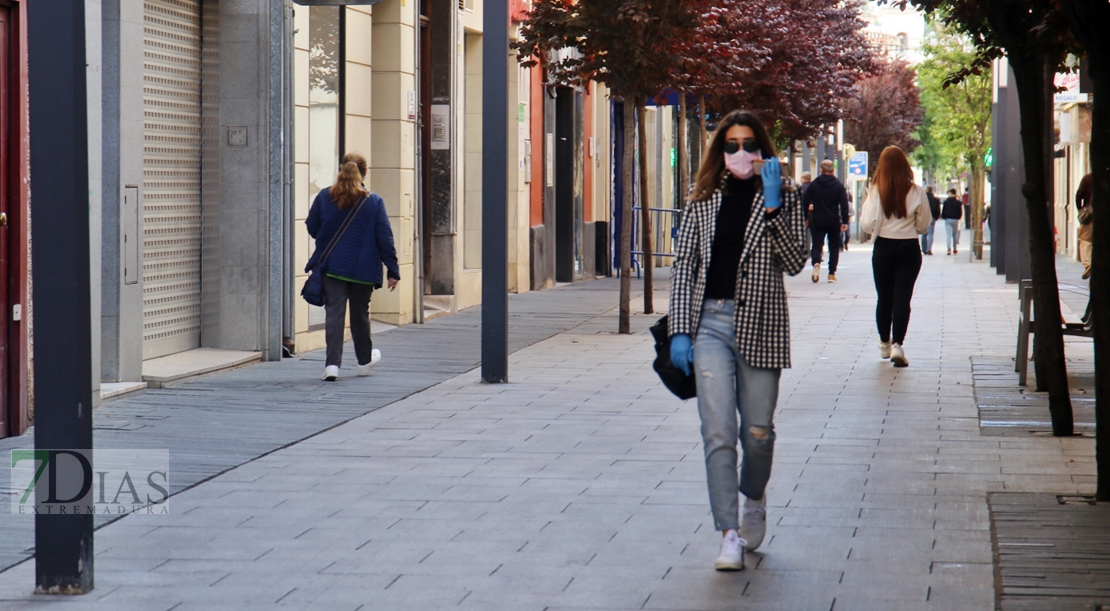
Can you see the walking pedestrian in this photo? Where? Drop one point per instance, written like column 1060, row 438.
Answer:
column 951, row 211
column 966, row 201
column 353, row 269
column 729, row 320
column 1085, row 212
column 846, row 235
column 827, row 201
column 934, row 209
column 896, row 212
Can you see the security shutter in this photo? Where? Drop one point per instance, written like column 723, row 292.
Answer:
column 171, row 176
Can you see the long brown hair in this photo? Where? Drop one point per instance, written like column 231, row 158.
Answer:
column 893, row 180
column 347, row 189
column 713, row 164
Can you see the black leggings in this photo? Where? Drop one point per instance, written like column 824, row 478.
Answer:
column 896, row 264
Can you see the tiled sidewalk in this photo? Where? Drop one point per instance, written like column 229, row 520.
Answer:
column 580, row 485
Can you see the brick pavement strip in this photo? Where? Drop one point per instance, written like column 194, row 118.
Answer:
column 580, row 485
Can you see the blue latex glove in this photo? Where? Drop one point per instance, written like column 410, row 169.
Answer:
column 772, row 183
column 682, row 352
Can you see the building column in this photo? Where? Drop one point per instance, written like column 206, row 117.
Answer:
column 394, row 104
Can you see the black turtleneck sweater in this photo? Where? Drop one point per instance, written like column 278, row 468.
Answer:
column 728, row 241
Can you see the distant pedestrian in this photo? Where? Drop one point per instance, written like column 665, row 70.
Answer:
column 1085, row 212
column 966, row 200
column 353, row 270
column 729, row 320
column 951, row 211
column 846, row 235
column 896, row 212
column 934, row 209
column 806, row 179
column 827, row 201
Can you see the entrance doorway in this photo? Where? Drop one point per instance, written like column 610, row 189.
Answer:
column 569, row 175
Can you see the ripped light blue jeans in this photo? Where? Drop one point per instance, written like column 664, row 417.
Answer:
column 728, row 387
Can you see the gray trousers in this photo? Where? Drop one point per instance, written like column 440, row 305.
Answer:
column 337, row 293
column 727, row 388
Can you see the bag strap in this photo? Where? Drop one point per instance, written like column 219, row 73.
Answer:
column 341, row 231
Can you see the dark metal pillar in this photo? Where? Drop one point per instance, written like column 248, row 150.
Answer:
column 495, row 188
column 60, row 243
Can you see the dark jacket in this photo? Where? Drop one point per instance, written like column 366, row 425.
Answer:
column 363, row 249
column 934, row 205
column 830, row 202
column 952, row 209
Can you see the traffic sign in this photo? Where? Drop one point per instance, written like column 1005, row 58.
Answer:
column 857, row 166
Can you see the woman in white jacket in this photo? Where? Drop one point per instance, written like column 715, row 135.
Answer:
column 895, row 212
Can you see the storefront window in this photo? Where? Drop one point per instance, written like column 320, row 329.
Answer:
column 325, row 106
column 323, row 96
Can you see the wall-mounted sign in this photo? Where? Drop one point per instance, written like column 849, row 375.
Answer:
column 412, row 104
column 857, row 166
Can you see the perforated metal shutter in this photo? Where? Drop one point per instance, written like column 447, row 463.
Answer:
column 171, row 176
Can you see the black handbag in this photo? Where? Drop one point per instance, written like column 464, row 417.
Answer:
column 682, row 385
column 313, row 289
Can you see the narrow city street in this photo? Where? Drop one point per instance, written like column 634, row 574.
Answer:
column 581, row 484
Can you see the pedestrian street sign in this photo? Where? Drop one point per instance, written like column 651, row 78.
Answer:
column 857, row 166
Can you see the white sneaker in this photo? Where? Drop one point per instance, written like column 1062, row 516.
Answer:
column 816, row 276
column 753, row 523
column 884, row 349
column 375, row 358
column 898, row 357
column 732, row 553
column 331, row 373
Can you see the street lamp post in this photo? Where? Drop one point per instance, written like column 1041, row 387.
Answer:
column 60, row 243
column 495, row 272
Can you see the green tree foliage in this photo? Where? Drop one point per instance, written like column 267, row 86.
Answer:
column 959, row 114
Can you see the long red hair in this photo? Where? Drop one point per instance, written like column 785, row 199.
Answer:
column 347, row 189
column 893, row 181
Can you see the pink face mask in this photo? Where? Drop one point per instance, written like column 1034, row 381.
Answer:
column 740, row 163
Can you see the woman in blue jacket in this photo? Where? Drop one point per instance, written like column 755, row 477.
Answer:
column 354, row 268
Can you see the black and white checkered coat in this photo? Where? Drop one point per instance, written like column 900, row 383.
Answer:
column 772, row 245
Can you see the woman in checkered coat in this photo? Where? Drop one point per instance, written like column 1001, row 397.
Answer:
column 729, row 321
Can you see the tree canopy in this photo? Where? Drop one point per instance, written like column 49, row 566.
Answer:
column 885, row 111
column 959, row 114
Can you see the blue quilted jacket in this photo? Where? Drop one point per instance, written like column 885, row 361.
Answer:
column 363, row 249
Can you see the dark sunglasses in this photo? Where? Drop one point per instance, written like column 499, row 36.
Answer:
column 750, row 145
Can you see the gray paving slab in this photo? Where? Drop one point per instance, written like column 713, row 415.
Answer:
column 580, row 485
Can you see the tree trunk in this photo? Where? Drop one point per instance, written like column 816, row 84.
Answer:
column 1100, row 267
column 704, row 132
column 645, row 210
column 625, row 324
column 1086, row 20
column 1030, row 73
column 683, row 156
column 978, row 186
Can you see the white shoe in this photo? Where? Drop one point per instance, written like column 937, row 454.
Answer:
column 732, row 553
column 331, row 373
column 816, row 276
column 375, row 358
column 884, row 349
column 753, row 523
column 898, row 357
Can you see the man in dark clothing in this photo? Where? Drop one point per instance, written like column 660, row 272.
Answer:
column 827, row 203
column 934, row 208
column 951, row 211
